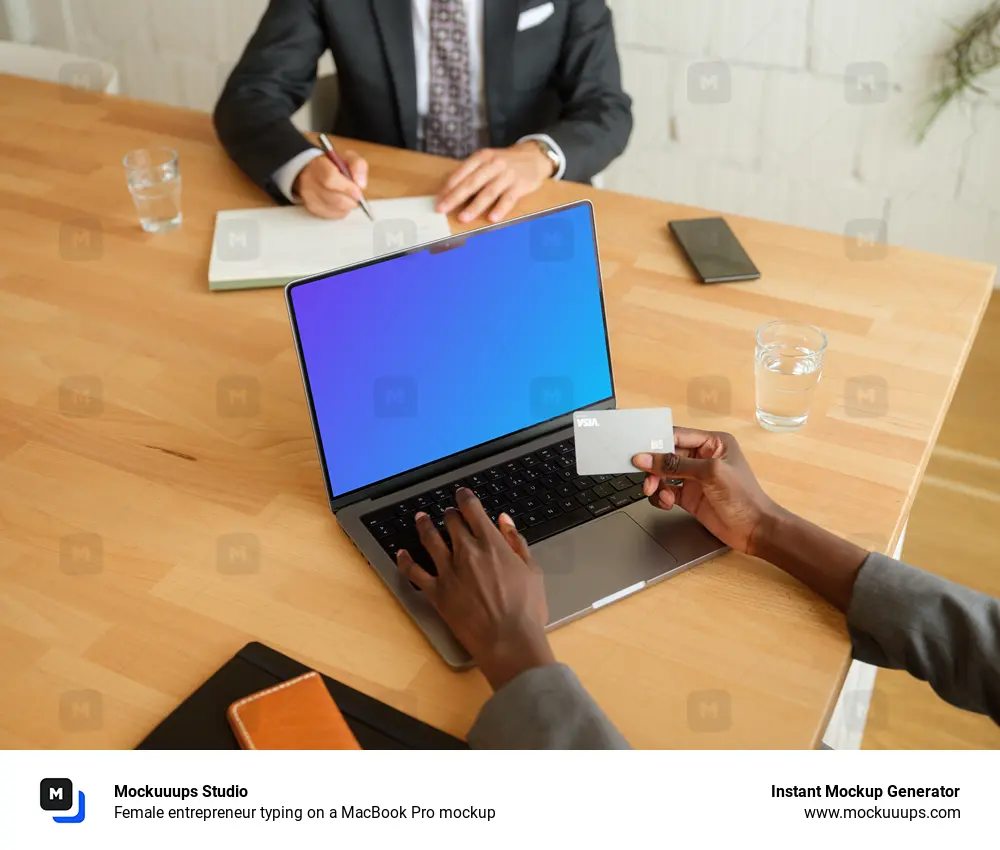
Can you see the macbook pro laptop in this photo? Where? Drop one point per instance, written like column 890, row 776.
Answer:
column 459, row 363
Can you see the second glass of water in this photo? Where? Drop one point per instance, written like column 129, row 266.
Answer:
column 788, row 366
column 154, row 179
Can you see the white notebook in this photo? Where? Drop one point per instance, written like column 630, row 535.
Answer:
column 274, row 245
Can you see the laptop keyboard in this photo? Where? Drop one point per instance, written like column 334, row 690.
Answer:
column 540, row 490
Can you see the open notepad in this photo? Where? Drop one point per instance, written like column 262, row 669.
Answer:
column 273, row 245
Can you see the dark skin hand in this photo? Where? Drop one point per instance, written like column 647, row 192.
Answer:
column 720, row 490
column 491, row 593
column 488, row 589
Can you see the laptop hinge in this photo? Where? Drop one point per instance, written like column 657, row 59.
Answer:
column 443, row 467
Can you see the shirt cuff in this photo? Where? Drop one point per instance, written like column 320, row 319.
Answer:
column 542, row 137
column 284, row 177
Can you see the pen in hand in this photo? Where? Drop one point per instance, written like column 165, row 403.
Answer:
column 334, row 157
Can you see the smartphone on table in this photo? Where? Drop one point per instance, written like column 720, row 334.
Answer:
column 713, row 250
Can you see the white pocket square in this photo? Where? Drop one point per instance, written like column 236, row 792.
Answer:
column 533, row 17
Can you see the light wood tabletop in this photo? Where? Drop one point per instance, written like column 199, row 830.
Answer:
column 121, row 475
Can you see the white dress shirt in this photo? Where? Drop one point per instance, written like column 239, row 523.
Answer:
column 285, row 176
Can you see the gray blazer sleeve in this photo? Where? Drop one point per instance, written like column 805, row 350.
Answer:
column 544, row 708
column 945, row 634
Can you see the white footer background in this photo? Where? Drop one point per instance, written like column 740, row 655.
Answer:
column 668, row 799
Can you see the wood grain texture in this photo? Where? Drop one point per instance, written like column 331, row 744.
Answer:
column 952, row 532
column 113, row 445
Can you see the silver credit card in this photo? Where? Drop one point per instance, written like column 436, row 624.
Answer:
column 606, row 440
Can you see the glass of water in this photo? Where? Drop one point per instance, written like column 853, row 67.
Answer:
column 154, row 179
column 788, row 366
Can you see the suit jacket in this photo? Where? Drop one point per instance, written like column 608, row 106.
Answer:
column 899, row 617
column 561, row 78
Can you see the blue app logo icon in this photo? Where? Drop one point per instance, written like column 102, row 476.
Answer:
column 56, row 795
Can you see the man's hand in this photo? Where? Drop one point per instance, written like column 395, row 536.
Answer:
column 488, row 589
column 719, row 488
column 325, row 192
column 495, row 180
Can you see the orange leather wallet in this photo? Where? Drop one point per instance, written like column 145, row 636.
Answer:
column 298, row 714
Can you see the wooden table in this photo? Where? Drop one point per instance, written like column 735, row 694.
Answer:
column 118, row 475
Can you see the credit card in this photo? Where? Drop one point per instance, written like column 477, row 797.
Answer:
column 606, row 440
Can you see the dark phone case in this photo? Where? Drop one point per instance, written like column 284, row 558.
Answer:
column 199, row 723
column 749, row 275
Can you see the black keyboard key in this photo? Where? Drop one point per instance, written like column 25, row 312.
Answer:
column 566, row 489
column 568, row 504
column 402, row 526
column 420, row 555
column 532, row 518
column 546, row 496
column 551, row 481
column 621, row 483
column 494, row 516
column 546, row 454
column 515, row 494
column 600, row 479
column 442, row 493
column 381, row 530
column 517, row 480
column 530, row 504
column 494, row 503
column 512, row 468
column 551, row 510
column 437, row 509
column 513, row 511
column 481, row 491
column 379, row 517
column 391, row 547
column 567, row 474
column 549, row 465
column 494, row 473
column 600, row 507
column 566, row 462
column 619, row 500
column 424, row 500
column 476, row 479
column 529, row 460
column 584, row 483
column 636, row 477
column 408, row 508
column 586, row 497
column 531, row 489
column 554, row 526
column 635, row 494
column 493, row 488
column 530, row 475
column 603, row 490
column 564, row 446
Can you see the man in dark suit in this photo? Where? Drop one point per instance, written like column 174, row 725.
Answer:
column 519, row 90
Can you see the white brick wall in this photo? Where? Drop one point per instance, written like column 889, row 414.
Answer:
column 801, row 111
column 820, row 130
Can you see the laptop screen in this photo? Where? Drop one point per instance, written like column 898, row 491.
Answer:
column 425, row 355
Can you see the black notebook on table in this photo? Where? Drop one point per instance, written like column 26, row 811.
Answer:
column 199, row 723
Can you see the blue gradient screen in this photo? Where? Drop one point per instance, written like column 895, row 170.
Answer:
column 420, row 357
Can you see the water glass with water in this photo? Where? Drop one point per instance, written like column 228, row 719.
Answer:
column 788, row 366
column 154, row 179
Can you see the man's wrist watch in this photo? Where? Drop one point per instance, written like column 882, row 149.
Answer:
column 550, row 154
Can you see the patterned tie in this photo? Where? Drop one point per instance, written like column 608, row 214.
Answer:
column 450, row 128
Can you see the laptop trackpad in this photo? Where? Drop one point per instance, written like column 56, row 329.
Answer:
column 595, row 560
